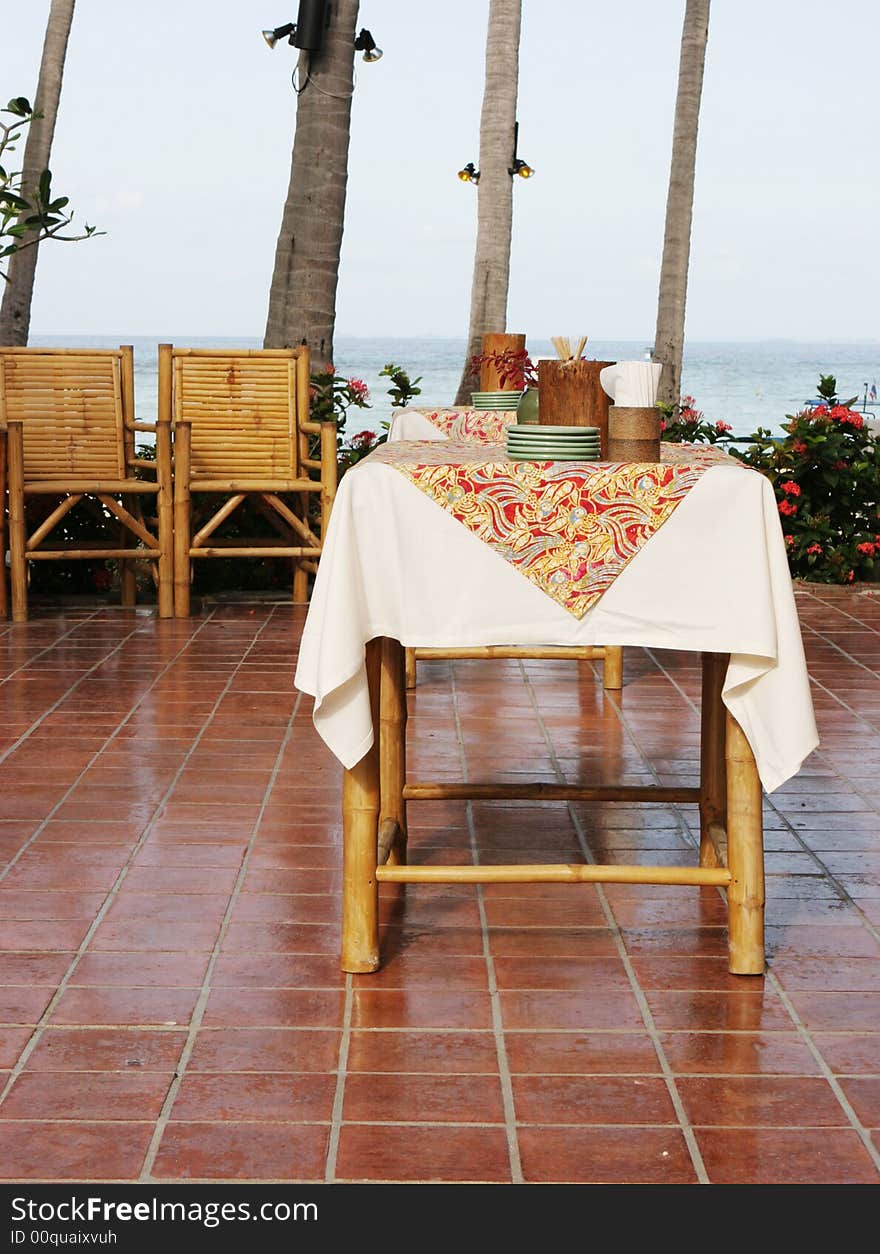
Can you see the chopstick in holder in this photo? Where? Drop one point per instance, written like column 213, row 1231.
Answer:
column 580, row 348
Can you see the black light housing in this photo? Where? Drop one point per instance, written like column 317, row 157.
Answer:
column 311, row 22
column 469, row 174
column 307, row 31
column 366, row 44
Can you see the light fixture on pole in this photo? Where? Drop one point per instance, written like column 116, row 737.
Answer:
column 519, row 166
column 366, row 44
column 307, row 31
column 469, row 174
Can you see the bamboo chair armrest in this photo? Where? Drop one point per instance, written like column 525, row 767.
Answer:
column 315, row 428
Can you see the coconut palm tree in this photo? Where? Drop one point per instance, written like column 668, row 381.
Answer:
column 669, row 337
column 15, row 311
column 302, row 298
column 495, row 188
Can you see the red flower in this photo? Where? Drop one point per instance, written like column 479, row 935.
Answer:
column 867, row 547
column 662, row 424
column 360, row 389
column 363, row 439
column 798, row 446
column 848, row 417
column 790, row 487
column 723, row 426
column 851, row 576
column 789, row 540
column 840, row 466
column 815, row 548
column 786, row 507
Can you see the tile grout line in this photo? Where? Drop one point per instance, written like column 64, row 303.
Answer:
column 7, row 752
column 198, row 1013
column 799, row 1025
column 339, row 1092
column 48, row 648
column 507, row 1097
column 41, row 826
column 613, row 927
column 35, row 1036
column 827, row 874
column 831, row 1079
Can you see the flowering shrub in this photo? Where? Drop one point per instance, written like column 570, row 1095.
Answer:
column 357, row 448
column 826, row 475
column 685, row 424
column 332, row 396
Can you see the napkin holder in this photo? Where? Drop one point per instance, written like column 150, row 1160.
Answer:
column 633, row 433
column 572, row 395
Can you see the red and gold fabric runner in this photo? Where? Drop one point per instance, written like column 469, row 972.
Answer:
column 569, row 527
column 471, row 426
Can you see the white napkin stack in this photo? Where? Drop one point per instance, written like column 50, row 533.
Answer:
column 632, row 383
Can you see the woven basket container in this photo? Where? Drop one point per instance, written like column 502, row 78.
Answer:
column 633, row 434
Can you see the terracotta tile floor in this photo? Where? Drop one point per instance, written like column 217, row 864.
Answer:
column 170, row 1003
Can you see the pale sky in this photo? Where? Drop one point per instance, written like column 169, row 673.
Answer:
column 176, row 124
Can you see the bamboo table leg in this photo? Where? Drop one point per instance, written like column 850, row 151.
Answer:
column 360, row 824
column 392, row 754
column 410, row 655
column 713, row 770
column 612, row 668
column 745, row 855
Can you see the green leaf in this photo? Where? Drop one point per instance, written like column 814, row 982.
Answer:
column 45, row 185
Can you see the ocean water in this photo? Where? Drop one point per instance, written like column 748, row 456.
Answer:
column 746, row 384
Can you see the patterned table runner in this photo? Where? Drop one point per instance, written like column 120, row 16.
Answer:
column 569, row 527
column 471, row 426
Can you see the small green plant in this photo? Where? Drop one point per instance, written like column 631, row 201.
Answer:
column 402, row 388
column 28, row 215
column 685, row 424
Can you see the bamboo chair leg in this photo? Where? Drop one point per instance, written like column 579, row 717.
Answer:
column 4, row 588
column 713, row 769
column 165, row 523
column 410, row 665
column 745, row 855
column 128, row 592
column 612, row 668
column 360, row 833
column 182, row 520
column 300, row 583
column 392, row 745
column 17, row 526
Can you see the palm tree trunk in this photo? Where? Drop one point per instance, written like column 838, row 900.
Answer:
column 669, row 337
column 302, row 299
column 15, row 311
column 495, row 188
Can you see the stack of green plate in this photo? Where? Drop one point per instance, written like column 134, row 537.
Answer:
column 505, row 401
column 534, row 443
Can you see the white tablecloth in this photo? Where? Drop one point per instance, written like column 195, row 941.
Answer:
column 714, row 577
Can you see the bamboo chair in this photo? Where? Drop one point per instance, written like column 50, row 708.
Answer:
column 68, row 418
column 241, row 430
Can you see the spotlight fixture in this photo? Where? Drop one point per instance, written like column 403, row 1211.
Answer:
column 520, row 167
column 307, row 31
column 272, row 36
column 366, row 44
column 469, row 174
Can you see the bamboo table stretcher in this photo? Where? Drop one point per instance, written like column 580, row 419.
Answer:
column 376, row 791
column 398, row 569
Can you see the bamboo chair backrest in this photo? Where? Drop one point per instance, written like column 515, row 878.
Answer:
column 72, row 405
column 242, row 410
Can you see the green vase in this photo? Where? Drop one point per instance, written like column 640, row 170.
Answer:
column 527, row 409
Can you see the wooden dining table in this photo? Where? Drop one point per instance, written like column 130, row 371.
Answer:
column 438, row 544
